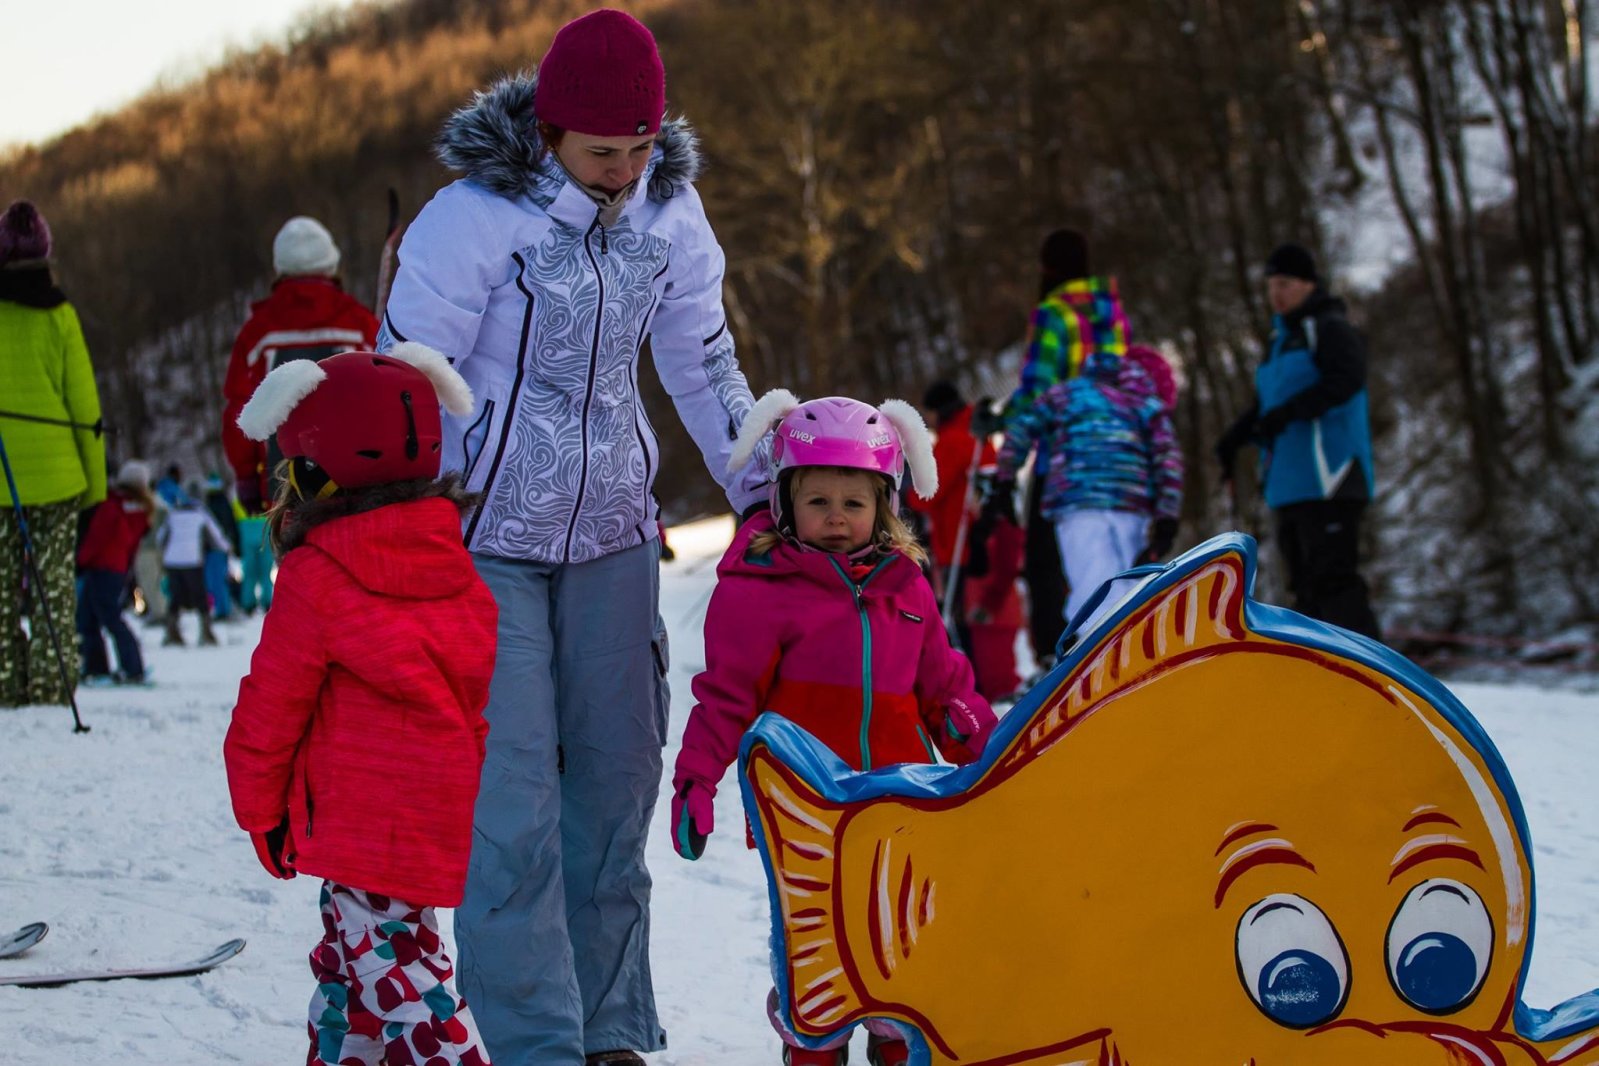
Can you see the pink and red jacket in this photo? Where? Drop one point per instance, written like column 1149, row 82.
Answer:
column 361, row 718
column 860, row 660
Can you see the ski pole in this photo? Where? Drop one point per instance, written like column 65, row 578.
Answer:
column 386, row 264
column 98, row 427
column 32, row 563
column 960, row 537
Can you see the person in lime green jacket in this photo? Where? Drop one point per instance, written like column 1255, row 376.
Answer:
column 49, row 419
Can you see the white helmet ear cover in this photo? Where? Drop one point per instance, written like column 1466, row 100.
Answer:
column 279, row 393
column 917, row 444
column 768, row 411
column 454, row 394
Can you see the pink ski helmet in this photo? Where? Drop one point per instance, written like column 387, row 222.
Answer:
column 839, row 431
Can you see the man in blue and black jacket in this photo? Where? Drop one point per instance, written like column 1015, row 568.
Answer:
column 1310, row 423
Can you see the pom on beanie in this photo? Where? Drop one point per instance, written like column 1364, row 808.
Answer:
column 1291, row 261
column 304, row 247
column 602, row 76
column 23, row 234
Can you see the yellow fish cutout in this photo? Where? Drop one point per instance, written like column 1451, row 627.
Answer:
column 1218, row 832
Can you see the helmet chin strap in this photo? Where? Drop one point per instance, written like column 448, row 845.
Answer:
column 328, row 488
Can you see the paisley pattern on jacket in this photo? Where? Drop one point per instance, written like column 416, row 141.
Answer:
column 546, row 312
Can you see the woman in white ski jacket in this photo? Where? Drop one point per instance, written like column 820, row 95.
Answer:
column 574, row 236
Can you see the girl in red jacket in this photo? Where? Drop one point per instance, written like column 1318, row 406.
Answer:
column 357, row 741
column 821, row 613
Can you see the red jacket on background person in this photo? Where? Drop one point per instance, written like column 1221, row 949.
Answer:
column 117, row 525
column 304, row 317
column 372, row 671
column 952, row 452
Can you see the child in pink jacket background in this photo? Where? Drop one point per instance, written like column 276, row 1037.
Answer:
column 822, row 614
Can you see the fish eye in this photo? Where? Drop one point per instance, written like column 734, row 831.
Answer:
column 1439, row 946
column 1291, row 961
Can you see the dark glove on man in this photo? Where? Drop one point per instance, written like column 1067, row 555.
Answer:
column 271, row 848
column 1161, row 537
column 1269, row 426
column 1240, row 433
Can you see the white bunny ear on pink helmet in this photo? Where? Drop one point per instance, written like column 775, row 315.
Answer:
column 917, row 444
column 279, row 393
column 768, row 411
column 454, row 394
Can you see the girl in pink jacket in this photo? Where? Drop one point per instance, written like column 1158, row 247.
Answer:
column 822, row 614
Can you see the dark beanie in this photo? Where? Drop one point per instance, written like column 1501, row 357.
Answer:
column 942, row 398
column 1065, row 255
column 23, row 234
column 1292, row 261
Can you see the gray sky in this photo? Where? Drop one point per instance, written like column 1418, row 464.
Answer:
column 68, row 60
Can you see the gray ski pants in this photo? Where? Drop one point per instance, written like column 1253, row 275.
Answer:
column 553, row 934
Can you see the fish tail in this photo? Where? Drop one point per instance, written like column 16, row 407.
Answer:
column 801, row 831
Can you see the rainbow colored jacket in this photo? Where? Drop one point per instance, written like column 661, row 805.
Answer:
column 1110, row 442
column 1075, row 320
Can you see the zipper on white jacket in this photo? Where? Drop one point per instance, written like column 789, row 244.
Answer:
column 588, row 390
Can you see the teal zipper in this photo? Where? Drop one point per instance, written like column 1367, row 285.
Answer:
column 866, row 654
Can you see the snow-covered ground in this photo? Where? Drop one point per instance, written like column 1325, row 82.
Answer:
column 123, row 840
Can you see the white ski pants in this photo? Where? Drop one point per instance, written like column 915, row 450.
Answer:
column 1095, row 546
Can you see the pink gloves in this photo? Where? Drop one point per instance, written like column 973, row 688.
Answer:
column 969, row 727
column 692, row 817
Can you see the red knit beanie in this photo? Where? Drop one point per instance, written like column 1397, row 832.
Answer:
column 602, row 76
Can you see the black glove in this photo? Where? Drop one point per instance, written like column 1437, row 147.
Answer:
column 1161, row 537
column 1271, row 424
column 986, row 421
column 998, row 498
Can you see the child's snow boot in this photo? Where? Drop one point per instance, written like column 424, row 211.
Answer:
column 798, row 1056
column 886, row 1051
column 174, row 636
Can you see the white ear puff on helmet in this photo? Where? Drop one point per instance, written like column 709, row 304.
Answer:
column 454, row 394
column 277, row 395
column 916, row 443
column 768, row 411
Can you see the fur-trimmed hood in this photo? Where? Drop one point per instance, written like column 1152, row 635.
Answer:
column 494, row 142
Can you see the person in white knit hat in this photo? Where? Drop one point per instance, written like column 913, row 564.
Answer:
column 304, row 246
column 308, row 315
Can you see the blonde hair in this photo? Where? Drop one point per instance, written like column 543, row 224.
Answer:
column 889, row 532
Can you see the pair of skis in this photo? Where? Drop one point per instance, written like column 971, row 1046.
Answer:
column 13, row 944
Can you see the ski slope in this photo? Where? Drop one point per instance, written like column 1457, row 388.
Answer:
column 123, row 840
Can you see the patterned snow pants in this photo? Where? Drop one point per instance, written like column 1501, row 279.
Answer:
column 29, row 672
column 384, row 992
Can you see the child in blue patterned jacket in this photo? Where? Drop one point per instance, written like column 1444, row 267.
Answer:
column 1114, row 487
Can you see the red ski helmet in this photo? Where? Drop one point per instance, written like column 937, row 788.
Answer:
column 364, row 418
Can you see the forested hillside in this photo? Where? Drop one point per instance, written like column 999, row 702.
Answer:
column 881, row 172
